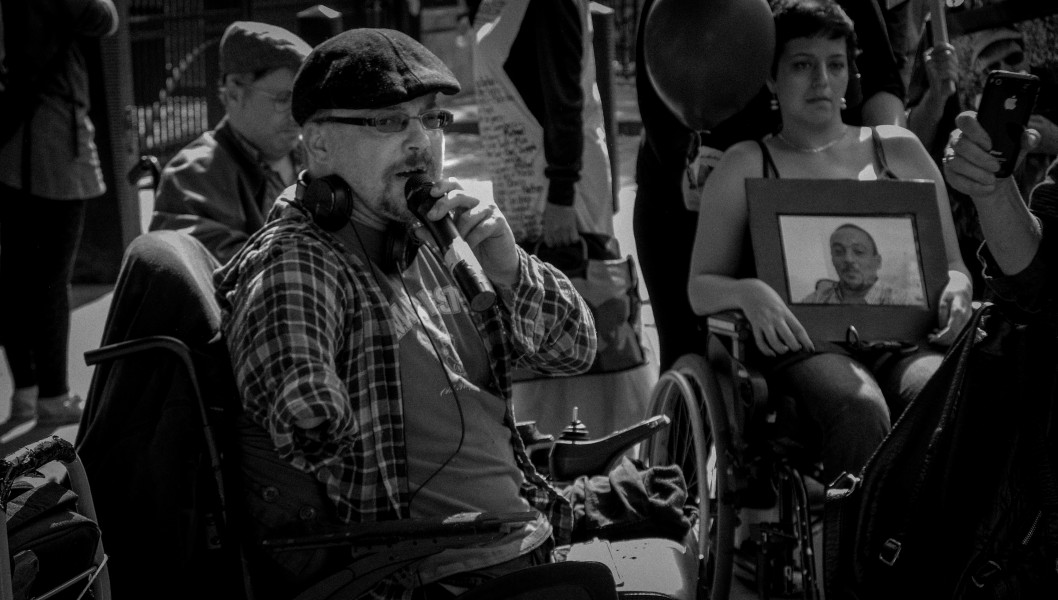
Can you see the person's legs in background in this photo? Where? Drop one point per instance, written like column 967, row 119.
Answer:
column 664, row 232
column 40, row 240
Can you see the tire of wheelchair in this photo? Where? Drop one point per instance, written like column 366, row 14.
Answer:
column 698, row 441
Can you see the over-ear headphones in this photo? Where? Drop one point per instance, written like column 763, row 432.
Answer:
column 329, row 200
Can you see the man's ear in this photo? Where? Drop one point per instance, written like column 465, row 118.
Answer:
column 230, row 93
column 316, row 142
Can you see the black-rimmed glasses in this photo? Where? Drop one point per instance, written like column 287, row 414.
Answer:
column 431, row 119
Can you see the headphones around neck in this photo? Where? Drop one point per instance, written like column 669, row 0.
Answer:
column 329, row 201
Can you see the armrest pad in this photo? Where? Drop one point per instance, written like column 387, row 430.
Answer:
column 733, row 326
column 731, row 323
column 382, row 532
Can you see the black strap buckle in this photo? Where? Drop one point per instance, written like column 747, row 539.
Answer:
column 987, row 571
column 890, row 552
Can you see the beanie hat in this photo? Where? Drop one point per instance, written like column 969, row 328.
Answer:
column 367, row 68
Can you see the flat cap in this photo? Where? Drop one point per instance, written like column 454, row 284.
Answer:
column 251, row 47
column 367, row 68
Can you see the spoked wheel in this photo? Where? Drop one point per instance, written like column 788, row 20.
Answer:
column 682, row 393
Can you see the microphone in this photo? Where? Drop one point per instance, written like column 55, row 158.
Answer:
column 458, row 256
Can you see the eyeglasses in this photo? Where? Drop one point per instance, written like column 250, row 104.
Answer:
column 431, row 120
column 281, row 101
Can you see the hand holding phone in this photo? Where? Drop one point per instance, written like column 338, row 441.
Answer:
column 1006, row 104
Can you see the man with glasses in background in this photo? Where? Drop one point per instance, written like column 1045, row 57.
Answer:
column 219, row 187
column 372, row 389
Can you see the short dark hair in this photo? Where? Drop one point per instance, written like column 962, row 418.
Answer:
column 811, row 18
column 874, row 245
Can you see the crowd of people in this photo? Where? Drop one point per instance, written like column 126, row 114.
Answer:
column 360, row 362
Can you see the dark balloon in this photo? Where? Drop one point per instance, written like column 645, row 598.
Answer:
column 708, row 58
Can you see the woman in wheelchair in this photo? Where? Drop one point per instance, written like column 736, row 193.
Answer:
column 845, row 406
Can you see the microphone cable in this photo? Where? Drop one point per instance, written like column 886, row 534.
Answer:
column 440, row 360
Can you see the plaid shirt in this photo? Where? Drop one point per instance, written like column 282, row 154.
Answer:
column 306, row 324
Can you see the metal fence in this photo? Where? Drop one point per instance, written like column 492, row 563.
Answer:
column 174, row 55
column 626, row 19
column 174, row 43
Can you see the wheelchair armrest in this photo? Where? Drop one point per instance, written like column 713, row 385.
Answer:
column 384, row 533
column 733, row 326
column 382, row 548
column 572, row 458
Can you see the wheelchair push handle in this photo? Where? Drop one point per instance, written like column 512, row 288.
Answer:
column 34, row 456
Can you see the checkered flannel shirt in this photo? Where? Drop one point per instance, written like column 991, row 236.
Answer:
column 306, row 325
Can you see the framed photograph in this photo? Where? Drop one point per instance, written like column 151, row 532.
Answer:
column 841, row 253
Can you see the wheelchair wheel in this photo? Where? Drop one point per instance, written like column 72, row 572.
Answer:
column 786, row 559
column 682, row 393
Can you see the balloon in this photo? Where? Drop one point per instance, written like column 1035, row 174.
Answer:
column 708, row 58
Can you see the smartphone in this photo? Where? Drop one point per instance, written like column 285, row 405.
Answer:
column 1006, row 104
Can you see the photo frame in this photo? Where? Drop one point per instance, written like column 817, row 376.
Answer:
column 804, row 231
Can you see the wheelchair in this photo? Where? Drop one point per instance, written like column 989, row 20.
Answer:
column 723, row 426
column 156, row 439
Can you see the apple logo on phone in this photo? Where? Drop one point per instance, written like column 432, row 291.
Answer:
column 1011, row 103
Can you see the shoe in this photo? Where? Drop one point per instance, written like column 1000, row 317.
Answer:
column 23, row 404
column 60, row 410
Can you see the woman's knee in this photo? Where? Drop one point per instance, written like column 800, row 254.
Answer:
column 903, row 379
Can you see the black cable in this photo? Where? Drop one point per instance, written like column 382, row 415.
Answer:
column 440, row 360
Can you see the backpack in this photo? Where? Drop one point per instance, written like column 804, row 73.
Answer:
column 960, row 500
column 35, row 49
column 50, row 541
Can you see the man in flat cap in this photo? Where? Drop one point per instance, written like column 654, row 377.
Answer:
column 372, row 389
column 220, row 186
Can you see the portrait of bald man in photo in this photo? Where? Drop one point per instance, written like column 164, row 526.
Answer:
column 856, row 260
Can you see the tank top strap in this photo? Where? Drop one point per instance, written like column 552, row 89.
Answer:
column 879, row 156
column 768, row 168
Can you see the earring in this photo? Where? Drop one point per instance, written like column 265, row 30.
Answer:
column 844, row 104
column 774, row 104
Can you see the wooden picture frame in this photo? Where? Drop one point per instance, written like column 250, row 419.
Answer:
column 794, row 225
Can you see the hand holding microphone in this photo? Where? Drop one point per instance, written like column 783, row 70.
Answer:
column 458, row 257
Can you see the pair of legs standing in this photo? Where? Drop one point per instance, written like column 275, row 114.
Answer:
column 38, row 244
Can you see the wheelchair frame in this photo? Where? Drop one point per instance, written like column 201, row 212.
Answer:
column 378, row 548
column 710, row 400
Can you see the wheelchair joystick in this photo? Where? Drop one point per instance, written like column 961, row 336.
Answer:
column 576, row 431
column 573, row 454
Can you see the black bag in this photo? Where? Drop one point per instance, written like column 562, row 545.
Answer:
column 50, row 541
column 960, row 500
column 610, row 286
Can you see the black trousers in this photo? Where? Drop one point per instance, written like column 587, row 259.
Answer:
column 38, row 245
column 664, row 231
